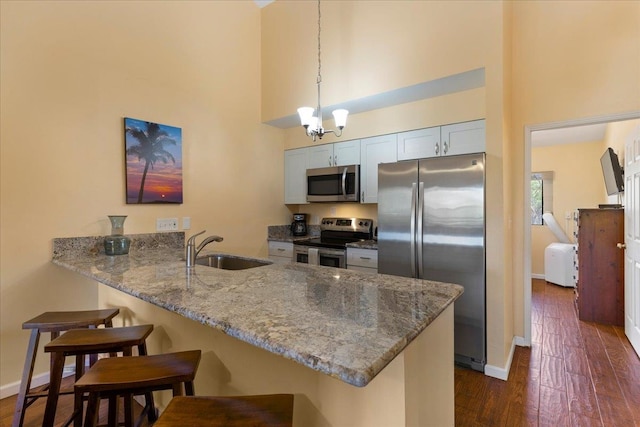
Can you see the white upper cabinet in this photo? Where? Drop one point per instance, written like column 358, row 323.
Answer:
column 337, row 154
column 463, row 138
column 418, row 144
column 320, row 156
column 376, row 150
column 295, row 176
column 448, row 140
column 346, row 153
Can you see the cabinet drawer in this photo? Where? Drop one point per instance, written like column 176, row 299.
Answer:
column 362, row 257
column 283, row 249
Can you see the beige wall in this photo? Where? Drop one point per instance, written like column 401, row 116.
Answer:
column 70, row 72
column 564, row 68
column 371, row 47
column 577, row 183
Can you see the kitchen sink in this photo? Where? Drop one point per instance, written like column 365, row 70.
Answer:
column 231, row 262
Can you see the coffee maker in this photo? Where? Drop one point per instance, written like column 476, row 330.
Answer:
column 299, row 224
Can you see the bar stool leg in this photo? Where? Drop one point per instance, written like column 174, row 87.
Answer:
column 25, row 384
column 128, row 410
column 57, row 366
column 150, row 405
column 112, row 419
column 93, row 409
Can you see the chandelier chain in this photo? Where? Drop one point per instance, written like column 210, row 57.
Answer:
column 319, row 59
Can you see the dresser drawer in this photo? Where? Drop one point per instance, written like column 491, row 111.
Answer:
column 362, row 257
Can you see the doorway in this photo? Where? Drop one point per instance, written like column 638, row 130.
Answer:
column 528, row 130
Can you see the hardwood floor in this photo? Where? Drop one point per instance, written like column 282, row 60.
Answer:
column 575, row 374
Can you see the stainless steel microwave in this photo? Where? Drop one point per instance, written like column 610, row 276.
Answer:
column 334, row 184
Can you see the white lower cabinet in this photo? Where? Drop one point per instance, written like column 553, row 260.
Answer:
column 281, row 252
column 362, row 260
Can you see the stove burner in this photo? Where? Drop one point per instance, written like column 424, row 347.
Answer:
column 337, row 232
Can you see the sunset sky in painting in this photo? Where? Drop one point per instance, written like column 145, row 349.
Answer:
column 164, row 181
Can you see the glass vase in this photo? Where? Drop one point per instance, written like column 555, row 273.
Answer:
column 117, row 243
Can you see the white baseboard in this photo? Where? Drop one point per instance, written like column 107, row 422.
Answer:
column 36, row 381
column 503, row 373
column 537, row 276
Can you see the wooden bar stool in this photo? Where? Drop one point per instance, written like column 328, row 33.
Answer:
column 81, row 342
column 270, row 410
column 130, row 376
column 53, row 322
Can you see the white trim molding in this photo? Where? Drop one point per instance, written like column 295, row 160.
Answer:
column 503, row 373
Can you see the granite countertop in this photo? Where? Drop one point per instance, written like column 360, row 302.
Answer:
column 364, row 244
column 346, row 324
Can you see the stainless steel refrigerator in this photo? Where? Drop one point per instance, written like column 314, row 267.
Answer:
column 431, row 225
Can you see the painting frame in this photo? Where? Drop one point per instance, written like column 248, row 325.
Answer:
column 153, row 162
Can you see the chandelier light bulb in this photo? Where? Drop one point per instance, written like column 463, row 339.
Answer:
column 306, row 114
column 340, row 117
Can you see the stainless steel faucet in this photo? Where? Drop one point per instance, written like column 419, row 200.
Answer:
column 192, row 252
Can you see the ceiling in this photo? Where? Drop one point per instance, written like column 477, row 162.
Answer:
column 570, row 135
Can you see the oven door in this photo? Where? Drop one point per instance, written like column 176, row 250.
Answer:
column 320, row 256
column 334, row 184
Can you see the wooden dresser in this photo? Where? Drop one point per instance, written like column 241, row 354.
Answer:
column 600, row 287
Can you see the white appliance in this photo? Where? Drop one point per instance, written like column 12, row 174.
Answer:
column 559, row 264
column 559, row 258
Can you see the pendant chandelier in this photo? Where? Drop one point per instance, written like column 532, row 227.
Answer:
column 311, row 123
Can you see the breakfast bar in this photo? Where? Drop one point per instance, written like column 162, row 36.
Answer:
column 354, row 348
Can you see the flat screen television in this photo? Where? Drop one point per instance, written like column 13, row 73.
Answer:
column 613, row 173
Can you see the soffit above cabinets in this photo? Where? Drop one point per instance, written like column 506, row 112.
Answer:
column 455, row 83
column 568, row 135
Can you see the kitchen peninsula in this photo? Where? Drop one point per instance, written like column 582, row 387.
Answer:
column 357, row 349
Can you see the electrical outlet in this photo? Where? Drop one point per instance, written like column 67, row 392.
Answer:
column 166, row 224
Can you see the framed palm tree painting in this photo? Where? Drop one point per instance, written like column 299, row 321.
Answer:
column 153, row 162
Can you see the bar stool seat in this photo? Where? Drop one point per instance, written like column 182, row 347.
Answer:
column 270, row 410
column 129, row 376
column 80, row 342
column 53, row 322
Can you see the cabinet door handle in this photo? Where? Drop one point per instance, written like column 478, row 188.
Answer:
column 365, row 257
column 437, row 148
column 362, row 196
column 445, row 147
column 335, row 160
column 281, row 249
column 330, row 161
column 621, row 246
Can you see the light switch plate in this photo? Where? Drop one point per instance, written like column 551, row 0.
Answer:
column 186, row 223
column 167, row 224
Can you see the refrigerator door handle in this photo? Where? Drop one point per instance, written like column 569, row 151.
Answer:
column 412, row 236
column 418, row 235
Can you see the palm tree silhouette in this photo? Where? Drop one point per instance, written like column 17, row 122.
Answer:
column 150, row 148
